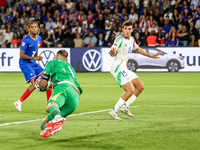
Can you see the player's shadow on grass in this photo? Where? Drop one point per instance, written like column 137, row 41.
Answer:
column 87, row 141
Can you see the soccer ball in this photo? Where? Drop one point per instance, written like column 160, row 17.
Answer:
column 46, row 83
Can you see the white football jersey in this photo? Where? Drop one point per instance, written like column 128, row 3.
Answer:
column 124, row 48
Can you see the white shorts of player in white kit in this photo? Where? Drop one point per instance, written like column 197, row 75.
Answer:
column 124, row 76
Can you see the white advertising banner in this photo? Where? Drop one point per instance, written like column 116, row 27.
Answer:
column 9, row 58
column 185, row 59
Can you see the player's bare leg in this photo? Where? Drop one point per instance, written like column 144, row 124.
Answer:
column 26, row 94
column 129, row 91
column 139, row 87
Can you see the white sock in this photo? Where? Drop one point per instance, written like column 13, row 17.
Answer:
column 119, row 104
column 130, row 100
column 19, row 101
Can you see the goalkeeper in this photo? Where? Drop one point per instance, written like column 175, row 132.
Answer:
column 65, row 97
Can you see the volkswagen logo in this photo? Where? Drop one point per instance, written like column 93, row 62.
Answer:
column 91, row 60
column 47, row 56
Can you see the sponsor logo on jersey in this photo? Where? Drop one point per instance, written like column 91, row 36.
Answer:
column 92, row 60
column 23, row 44
column 47, row 56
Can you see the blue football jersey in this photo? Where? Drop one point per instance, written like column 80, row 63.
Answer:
column 30, row 46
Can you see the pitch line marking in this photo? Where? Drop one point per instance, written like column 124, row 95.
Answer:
column 86, row 113
column 73, row 115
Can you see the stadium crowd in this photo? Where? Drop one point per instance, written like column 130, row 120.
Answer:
column 96, row 23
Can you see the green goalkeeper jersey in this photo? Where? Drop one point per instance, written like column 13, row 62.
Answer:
column 60, row 70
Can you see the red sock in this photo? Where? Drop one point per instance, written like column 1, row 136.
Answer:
column 48, row 92
column 25, row 95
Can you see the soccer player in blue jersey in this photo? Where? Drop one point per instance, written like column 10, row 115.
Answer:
column 27, row 61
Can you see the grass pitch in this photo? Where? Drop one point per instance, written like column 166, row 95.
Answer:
column 166, row 115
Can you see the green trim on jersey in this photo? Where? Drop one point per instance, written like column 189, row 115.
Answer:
column 119, row 78
column 118, row 66
column 120, row 45
column 119, row 38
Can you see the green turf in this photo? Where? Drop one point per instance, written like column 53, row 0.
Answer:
column 167, row 116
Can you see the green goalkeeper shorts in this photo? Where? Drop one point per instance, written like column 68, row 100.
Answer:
column 66, row 97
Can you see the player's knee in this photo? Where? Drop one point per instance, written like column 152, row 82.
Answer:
column 131, row 91
column 141, row 88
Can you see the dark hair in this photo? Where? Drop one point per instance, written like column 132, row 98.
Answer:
column 127, row 23
column 32, row 22
column 63, row 53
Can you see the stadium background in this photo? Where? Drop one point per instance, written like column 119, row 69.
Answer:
column 166, row 113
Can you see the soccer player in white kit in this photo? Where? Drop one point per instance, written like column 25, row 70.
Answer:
column 128, row 80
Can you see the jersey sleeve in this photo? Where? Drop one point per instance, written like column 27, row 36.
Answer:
column 48, row 67
column 116, row 43
column 24, row 44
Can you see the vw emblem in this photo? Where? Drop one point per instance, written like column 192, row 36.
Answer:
column 91, row 60
column 47, row 56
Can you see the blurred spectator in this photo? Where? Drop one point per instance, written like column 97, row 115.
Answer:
column 143, row 23
column 158, row 7
column 48, row 15
column 80, row 16
column 49, row 24
column 111, row 40
column 166, row 4
column 57, row 24
column 175, row 16
column 101, row 42
column 185, row 6
column 197, row 14
column 153, row 28
column 15, row 41
column 32, row 16
column 90, row 41
column 78, row 41
column 173, row 41
column 152, row 39
column 44, row 36
column 91, row 24
column 118, row 7
column 166, row 39
column 109, row 22
column 138, row 40
column 109, row 33
column 69, row 4
column 192, row 10
column 190, row 18
column 150, row 7
column 117, row 21
column 8, row 17
column 51, row 39
column 2, row 34
column 167, row 26
column 85, row 34
column 59, row 44
column 95, row 30
column 119, row 31
column 91, row 5
column 22, row 3
column 161, row 39
column 59, row 35
column 146, row 32
column 77, row 27
column 85, row 21
column 133, row 16
column 183, row 36
column 145, row 3
column 124, row 12
column 173, row 29
column 100, row 22
column 8, row 37
column 194, row 3
column 169, row 14
column 193, row 33
column 136, row 28
column 197, row 25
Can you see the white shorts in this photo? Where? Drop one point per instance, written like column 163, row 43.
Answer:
column 124, row 76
